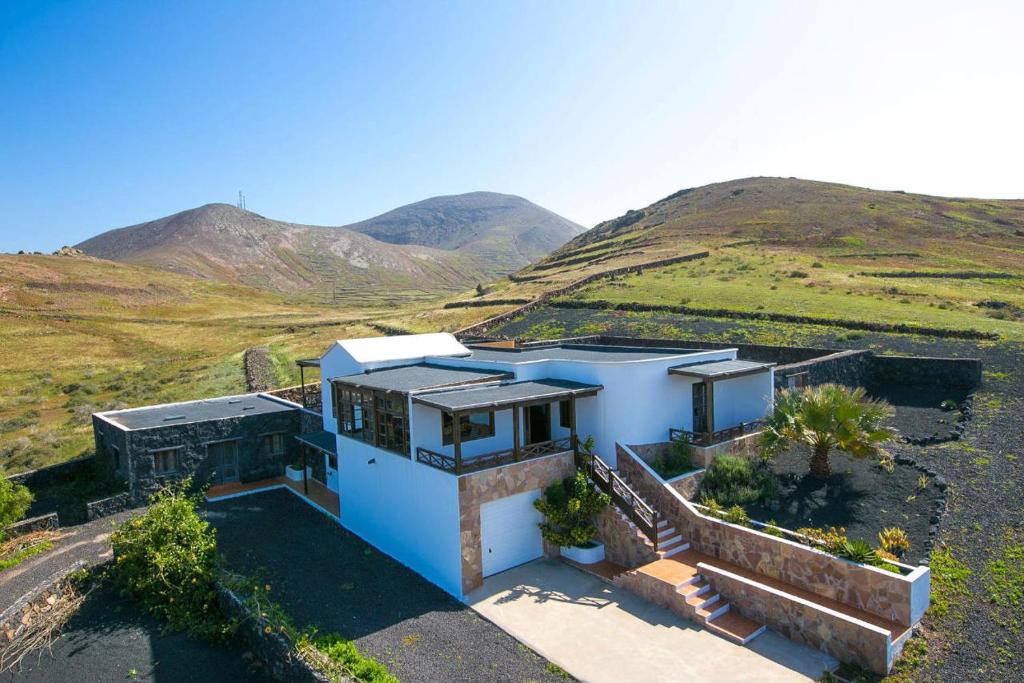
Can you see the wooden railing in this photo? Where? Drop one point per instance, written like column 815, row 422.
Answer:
column 627, row 500
column 508, row 456
column 712, row 438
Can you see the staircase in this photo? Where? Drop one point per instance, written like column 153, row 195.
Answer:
column 673, row 581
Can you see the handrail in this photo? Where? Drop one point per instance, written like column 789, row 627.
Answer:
column 484, row 461
column 711, row 438
column 627, row 500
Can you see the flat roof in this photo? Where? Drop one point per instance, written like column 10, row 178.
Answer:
column 406, row 378
column 204, row 410
column 322, row 441
column 497, row 395
column 720, row 369
column 581, row 352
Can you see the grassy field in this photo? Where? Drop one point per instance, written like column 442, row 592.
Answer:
column 81, row 335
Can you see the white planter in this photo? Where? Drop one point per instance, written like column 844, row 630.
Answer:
column 583, row 555
column 295, row 473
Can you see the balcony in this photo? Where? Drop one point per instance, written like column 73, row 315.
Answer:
column 706, row 439
column 465, row 465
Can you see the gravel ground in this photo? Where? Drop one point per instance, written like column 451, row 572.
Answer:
column 917, row 412
column 110, row 640
column 976, row 640
column 324, row 576
column 859, row 496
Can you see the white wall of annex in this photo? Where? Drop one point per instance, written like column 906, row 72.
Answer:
column 742, row 399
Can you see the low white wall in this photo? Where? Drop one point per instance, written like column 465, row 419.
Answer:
column 406, row 509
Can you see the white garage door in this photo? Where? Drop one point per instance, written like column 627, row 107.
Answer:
column 509, row 535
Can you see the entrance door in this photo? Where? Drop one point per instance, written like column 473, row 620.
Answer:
column 224, row 456
column 509, row 535
column 331, row 466
column 538, row 423
column 700, row 408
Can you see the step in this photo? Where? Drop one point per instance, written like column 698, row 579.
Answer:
column 662, row 523
column 713, row 611
column 690, row 589
column 669, row 541
column 705, row 601
column 675, row 550
column 735, row 627
column 666, row 531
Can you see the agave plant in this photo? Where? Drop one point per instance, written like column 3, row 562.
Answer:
column 824, row 418
column 857, row 551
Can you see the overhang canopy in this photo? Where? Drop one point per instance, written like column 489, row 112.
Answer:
column 720, row 369
column 308, row 362
column 322, row 441
column 406, row 378
column 496, row 396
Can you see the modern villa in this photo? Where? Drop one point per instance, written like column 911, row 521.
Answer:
column 434, row 451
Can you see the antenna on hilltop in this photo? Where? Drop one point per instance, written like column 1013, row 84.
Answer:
column 241, row 200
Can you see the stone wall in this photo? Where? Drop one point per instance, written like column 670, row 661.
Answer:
column 500, row 482
column 804, row 622
column 108, row 506
column 257, row 369
column 623, row 543
column 253, row 462
column 849, row 368
column 688, row 485
column 762, row 353
column 47, row 522
column 61, row 473
column 873, row 590
column 922, row 371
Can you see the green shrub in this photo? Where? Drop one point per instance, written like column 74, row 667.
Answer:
column 732, row 480
column 344, row 653
column 568, row 507
column 856, row 551
column 736, row 515
column 773, row 529
column 674, row 460
column 15, row 500
column 165, row 559
column 797, row 274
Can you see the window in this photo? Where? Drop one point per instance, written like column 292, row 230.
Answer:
column 273, row 444
column 115, row 457
column 796, row 381
column 166, row 461
column 376, row 417
column 472, row 426
column 564, row 417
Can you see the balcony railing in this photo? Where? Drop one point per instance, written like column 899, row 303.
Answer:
column 508, row 456
column 712, row 438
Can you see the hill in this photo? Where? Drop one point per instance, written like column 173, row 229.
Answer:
column 499, row 228
column 477, row 237
column 799, row 247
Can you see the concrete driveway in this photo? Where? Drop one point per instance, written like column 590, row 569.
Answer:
column 598, row 632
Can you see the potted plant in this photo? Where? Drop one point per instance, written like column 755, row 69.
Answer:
column 568, row 507
column 294, row 471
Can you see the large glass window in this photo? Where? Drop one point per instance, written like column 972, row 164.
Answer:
column 472, row 426
column 376, row 417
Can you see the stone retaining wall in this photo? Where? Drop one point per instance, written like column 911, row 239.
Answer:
column 108, row 506
column 47, row 522
column 919, row 370
column 61, row 473
column 257, row 369
column 622, row 542
column 849, row 368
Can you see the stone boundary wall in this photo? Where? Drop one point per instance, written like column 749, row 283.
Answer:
column 849, row 368
column 388, row 330
column 919, row 370
column 842, row 637
column 108, row 506
column 899, row 328
column 61, row 473
column 47, row 522
column 482, row 327
column 274, row 649
column 762, row 353
column 953, row 275
column 884, row 594
column 257, row 369
column 480, row 303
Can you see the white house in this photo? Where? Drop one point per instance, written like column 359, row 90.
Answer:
column 443, row 447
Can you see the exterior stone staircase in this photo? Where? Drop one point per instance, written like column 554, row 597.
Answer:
column 673, row 581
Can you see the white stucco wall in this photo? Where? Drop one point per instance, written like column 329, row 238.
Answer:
column 742, row 399
column 408, row 510
column 336, row 362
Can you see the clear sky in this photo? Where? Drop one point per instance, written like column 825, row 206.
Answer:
column 112, row 113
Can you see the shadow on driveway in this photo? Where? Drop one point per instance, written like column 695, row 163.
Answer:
column 325, row 576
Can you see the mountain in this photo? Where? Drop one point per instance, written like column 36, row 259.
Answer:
column 498, row 227
column 442, row 244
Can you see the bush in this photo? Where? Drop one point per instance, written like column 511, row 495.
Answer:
column 165, row 559
column 15, row 500
column 731, row 480
column 894, row 540
column 568, row 507
column 344, row 653
column 736, row 515
column 674, row 460
column 797, row 274
column 773, row 529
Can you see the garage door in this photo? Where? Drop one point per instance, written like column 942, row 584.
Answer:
column 508, row 532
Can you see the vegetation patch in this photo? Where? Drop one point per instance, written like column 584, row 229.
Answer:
column 1004, row 573
column 16, row 550
column 949, row 590
column 673, row 460
column 568, row 507
column 732, row 480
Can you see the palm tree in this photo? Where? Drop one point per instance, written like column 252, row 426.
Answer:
column 827, row 417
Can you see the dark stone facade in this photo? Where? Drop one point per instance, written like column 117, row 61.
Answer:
column 254, row 461
column 923, row 371
column 108, row 506
column 849, row 368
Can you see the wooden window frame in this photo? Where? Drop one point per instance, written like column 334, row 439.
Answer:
column 158, row 454
column 467, row 432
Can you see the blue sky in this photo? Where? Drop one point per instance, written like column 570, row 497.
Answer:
column 329, row 112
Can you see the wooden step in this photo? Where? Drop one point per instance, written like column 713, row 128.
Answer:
column 735, row 627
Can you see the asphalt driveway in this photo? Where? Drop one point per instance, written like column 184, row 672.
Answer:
column 326, row 577
column 602, row 633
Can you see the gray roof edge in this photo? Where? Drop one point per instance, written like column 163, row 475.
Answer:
column 580, row 388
